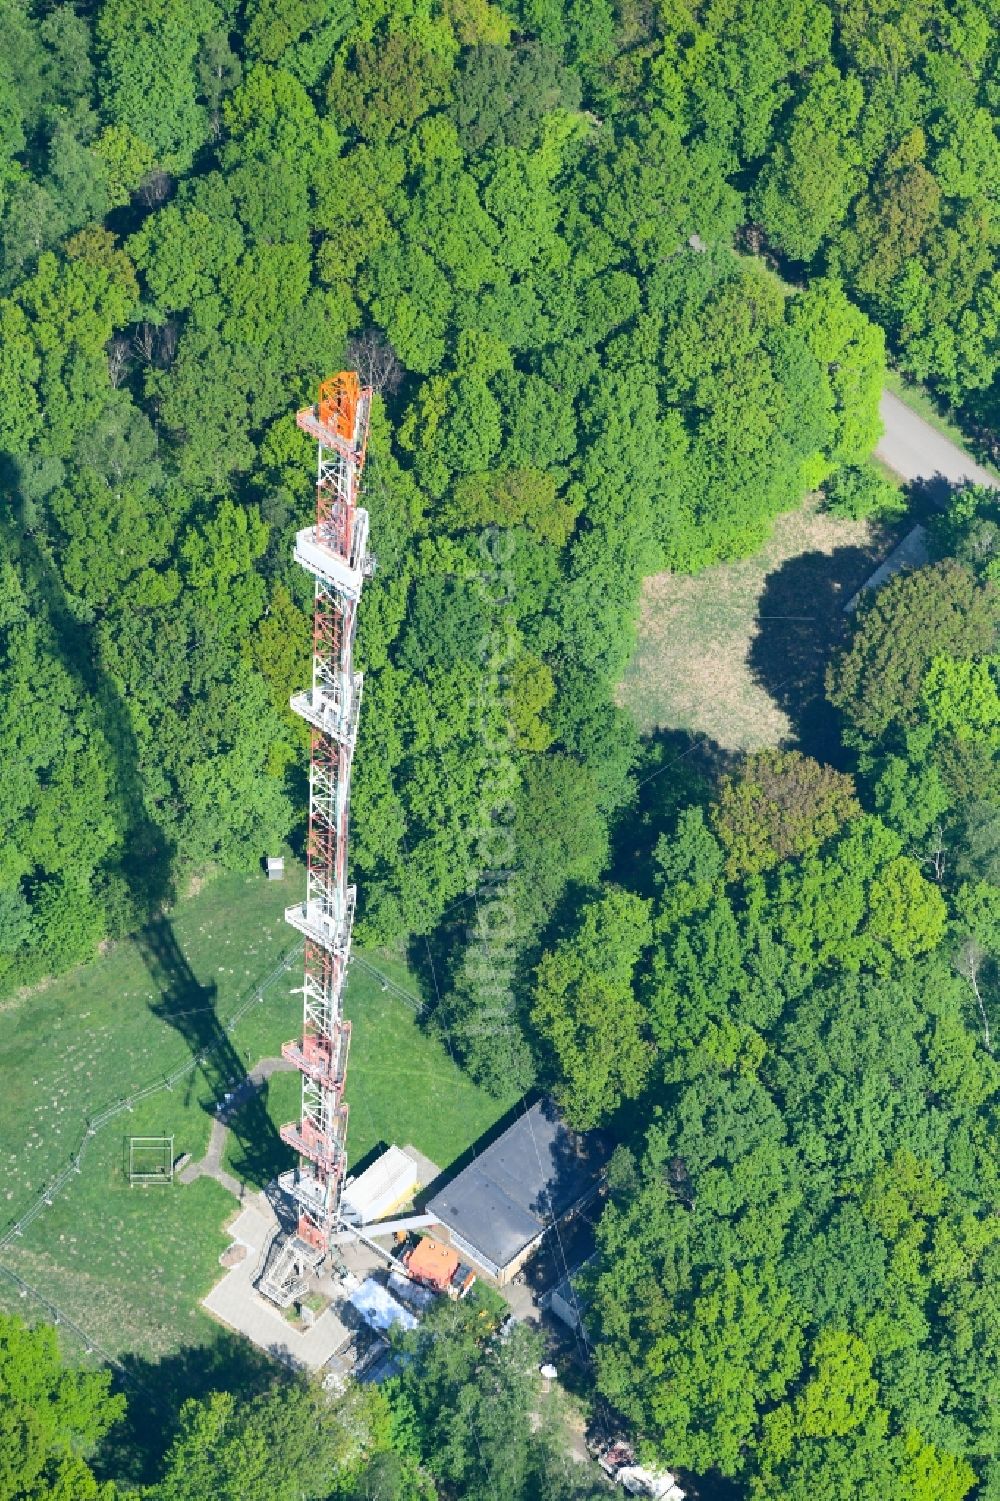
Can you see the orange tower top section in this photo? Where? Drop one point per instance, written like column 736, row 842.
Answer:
column 339, row 420
column 339, row 398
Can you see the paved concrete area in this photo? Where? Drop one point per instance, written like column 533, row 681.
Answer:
column 910, row 553
column 427, row 1171
column 521, row 1301
column 235, row 1302
column 361, row 1260
column 915, row 450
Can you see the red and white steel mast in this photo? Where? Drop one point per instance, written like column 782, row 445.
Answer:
column 334, row 551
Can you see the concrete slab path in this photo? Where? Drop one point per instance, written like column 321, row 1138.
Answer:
column 210, row 1165
column 428, row 1172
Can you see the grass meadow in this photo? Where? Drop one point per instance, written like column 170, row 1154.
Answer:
column 736, row 654
column 130, row 1264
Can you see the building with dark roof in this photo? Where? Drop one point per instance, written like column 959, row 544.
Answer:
column 498, row 1208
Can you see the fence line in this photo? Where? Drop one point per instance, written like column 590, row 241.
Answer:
column 59, row 1317
column 96, row 1123
column 110, row 1112
column 413, row 1001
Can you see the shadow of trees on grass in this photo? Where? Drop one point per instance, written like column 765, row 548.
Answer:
column 800, row 624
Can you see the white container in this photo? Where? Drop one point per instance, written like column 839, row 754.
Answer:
column 381, row 1188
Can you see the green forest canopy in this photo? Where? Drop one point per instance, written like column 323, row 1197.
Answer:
column 463, row 1414
column 529, row 250
column 794, row 1042
column 529, row 228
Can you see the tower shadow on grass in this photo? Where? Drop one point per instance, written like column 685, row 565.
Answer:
column 191, row 1008
column 144, row 854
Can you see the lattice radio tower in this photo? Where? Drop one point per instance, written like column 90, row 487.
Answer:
column 335, row 552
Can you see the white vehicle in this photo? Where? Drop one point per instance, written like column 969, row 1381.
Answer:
column 618, row 1462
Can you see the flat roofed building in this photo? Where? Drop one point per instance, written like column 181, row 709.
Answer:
column 390, row 1181
column 498, row 1208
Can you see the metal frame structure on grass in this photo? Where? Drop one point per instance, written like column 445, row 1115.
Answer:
column 335, row 552
column 158, row 1152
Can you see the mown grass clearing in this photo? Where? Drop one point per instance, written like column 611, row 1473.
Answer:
column 108, row 1028
column 736, row 654
column 130, row 1264
column 402, row 1085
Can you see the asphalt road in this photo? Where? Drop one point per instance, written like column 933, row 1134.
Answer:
column 915, row 450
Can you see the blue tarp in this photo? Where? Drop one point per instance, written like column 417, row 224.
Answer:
column 379, row 1308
